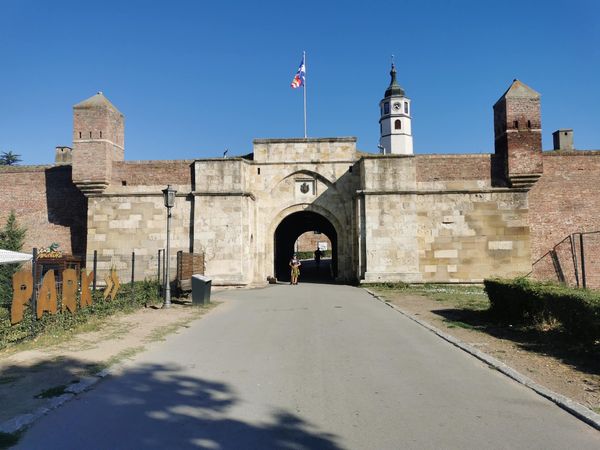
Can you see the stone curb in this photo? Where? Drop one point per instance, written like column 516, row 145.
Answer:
column 581, row 412
column 18, row 423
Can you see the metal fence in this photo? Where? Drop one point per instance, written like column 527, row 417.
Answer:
column 574, row 261
column 129, row 269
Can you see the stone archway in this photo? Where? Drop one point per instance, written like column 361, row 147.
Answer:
column 289, row 229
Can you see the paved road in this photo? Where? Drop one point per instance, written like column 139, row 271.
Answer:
column 308, row 366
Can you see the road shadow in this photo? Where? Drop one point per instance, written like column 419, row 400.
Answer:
column 553, row 342
column 160, row 406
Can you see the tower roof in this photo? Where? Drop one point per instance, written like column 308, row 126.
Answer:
column 519, row 89
column 96, row 101
column 394, row 88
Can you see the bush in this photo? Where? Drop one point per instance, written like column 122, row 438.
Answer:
column 524, row 300
column 129, row 298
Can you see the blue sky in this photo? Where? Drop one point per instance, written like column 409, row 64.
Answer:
column 196, row 77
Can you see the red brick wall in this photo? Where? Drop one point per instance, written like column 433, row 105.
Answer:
column 47, row 203
column 453, row 167
column 565, row 199
column 136, row 173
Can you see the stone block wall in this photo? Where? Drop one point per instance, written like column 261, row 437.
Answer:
column 468, row 237
column 306, row 150
column 47, row 203
column 120, row 224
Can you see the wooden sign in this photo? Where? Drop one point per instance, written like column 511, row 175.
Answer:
column 46, row 302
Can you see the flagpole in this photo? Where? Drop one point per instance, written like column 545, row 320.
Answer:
column 304, row 59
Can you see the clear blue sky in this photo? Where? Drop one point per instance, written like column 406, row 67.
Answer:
column 196, row 77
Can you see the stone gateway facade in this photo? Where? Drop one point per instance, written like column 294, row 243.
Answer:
column 393, row 216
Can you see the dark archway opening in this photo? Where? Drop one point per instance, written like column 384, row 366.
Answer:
column 286, row 234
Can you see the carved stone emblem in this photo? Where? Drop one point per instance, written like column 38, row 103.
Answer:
column 304, row 188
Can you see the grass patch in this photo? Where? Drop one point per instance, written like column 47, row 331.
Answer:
column 459, row 324
column 161, row 333
column 471, row 297
column 596, row 410
column 55, row 391
column 8, row 440
column 8, row 380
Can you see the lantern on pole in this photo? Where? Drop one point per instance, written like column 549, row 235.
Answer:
column 169, row 197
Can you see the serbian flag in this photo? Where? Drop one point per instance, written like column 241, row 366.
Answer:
column 299, row 78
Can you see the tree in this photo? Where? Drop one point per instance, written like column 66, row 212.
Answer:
column 12, row 237
column 9, row 158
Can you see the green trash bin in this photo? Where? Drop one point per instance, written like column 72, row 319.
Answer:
column 201, row 286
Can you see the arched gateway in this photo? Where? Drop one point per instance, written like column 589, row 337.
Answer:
column 289, row 230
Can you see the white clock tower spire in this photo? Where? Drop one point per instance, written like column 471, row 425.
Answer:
column 394, row 124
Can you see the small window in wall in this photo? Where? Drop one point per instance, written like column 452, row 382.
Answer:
column 406, row 107
column 123, row 183
column 529, row 124
column 386, row 108
column 516, row 124
column 80, row 135
column 258, row 171
column 350, row 169
column 397, row 124
column 90, row 134
column 101, row 135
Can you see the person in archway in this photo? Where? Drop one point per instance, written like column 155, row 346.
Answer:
column 295, row 267
column 318, row 254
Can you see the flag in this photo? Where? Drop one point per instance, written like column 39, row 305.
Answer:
column 299, row 78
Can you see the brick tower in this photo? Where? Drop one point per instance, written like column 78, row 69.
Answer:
column 98, row 140
column 518, row 134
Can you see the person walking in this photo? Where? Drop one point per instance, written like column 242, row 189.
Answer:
column 295, row 267
column 318, row 254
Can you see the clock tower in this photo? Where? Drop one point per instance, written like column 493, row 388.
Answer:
column 394, row 124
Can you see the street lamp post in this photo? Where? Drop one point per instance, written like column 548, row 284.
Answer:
column 169, row 197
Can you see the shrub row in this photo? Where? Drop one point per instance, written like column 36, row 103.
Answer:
column 311, row 255
column 129, row 298
column 524, row 300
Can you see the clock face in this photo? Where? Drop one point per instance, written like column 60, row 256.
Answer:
column 396, row 106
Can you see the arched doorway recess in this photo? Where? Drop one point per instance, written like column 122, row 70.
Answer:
column 286, row 233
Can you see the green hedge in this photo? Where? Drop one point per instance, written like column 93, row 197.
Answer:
column 524, row 300
column 144, row 292
column 311, row 255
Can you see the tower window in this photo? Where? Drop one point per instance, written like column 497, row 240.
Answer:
column 101, row 135
column 258, row 170
column 529, row 124
column 386, row 108
column 397, row 124
column 406, row 107
column 516, row 124
column 90, row 134
column 80, row 135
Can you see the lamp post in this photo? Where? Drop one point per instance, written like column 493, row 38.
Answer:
column 169, row 197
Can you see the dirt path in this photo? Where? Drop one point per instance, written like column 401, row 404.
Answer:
column 32, row 379
column 576, row 378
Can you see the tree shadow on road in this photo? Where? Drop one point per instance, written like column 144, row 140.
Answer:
column 159, row 406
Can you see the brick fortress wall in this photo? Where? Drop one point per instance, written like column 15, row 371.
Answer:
column 46, row 202
column 562, row 202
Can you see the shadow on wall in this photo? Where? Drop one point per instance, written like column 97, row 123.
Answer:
column 156, row 406
column 67, row 206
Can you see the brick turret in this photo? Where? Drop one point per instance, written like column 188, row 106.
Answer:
column 98, row 140
column 518, row 134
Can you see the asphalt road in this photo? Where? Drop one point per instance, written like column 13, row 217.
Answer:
column 311, row 366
